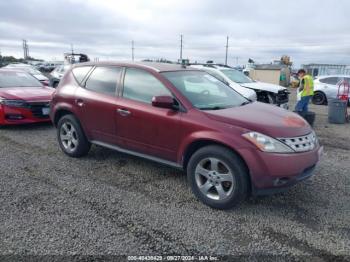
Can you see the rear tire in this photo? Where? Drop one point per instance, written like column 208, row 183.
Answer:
column 218, row 177
column 71, row 137
column 319, row 98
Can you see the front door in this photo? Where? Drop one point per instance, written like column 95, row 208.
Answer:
column 142, row 127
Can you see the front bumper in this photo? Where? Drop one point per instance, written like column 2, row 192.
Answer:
column 283, row 184
column 34, row 113
column 272, row 173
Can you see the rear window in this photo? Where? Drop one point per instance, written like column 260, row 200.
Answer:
column 18, row 79
column 79, row 72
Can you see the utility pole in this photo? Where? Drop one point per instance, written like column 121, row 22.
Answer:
column 25, row 49
column 71, row 47
column 226, row 50
column 132, row 50
column 181, row 46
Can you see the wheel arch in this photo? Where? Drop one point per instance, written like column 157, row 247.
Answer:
column 60, row 113
column 200, row 143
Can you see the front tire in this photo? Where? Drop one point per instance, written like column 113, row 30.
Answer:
column 71, row 137
column 319, row 98
column 218, row 177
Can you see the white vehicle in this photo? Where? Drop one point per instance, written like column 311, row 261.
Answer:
column 57, row 74
column 31, row 70
column 326, row 87
column 264, row 92
column 247, row 93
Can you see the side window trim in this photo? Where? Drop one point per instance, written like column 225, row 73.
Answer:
column 121, row 85
column 83, row 83
column 85, row 77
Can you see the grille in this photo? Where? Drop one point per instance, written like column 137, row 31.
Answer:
column 37, row 108
column 282, row 97
column 301, row 143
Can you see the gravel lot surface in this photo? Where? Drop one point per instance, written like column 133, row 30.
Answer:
column 111, row 203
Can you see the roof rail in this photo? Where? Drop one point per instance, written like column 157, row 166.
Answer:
column 210, row 65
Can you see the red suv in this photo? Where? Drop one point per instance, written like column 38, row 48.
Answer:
column 229, row 146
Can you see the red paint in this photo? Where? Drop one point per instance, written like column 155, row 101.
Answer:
column 35, row 98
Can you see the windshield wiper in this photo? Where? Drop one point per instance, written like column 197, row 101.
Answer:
column 246, row 103
column 212, row 108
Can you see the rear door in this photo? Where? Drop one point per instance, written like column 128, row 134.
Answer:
column 329, row 86
column 96, row 100
column 142, row 127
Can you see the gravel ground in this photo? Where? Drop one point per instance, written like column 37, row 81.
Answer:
column 112, row 204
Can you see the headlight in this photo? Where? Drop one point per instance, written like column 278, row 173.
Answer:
column 267, row 144
column 14, row 103
column 314, row 138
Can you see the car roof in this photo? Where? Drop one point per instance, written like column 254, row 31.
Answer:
column 212, row 66
column 326, row 76
column 155, row 66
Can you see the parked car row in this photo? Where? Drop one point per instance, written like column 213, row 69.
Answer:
column 230, row 146
column 47, row 67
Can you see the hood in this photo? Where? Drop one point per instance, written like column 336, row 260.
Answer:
column 41, row 77
column 266, row 119
column 27, row 93
column 246, row 92
column 264, row 86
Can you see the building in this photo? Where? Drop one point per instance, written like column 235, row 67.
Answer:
column 278, row 74
column 326, row 69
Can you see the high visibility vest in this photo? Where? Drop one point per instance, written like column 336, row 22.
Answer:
column 310, row 82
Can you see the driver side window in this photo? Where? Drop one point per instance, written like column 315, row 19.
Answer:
column 141, row 86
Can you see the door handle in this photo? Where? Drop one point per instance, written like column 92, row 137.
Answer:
column 123, row 112
column 79, row 102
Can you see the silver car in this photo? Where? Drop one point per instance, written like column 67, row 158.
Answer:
column 326, row 87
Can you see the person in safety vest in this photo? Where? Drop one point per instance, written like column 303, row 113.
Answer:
column 305, row 91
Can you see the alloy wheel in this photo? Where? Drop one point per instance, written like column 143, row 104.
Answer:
column 214, row 178
column 69, row 137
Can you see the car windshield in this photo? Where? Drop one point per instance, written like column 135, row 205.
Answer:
column 236, row 76
column 204, row 91
column 17, row 79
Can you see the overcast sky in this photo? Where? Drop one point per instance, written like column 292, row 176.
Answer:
column 309, row 31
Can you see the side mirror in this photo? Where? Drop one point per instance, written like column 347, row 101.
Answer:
column 163, row 102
